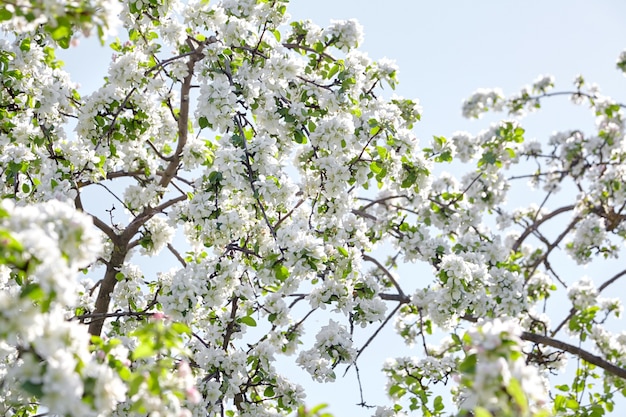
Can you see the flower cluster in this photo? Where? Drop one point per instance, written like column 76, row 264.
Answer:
column 332, row 346
column 494, row 370
column 44, row 245
column 481, row 101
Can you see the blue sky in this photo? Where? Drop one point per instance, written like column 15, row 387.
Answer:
column 445, row 51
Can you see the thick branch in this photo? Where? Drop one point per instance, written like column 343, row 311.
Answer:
column 575, row 350
column 107, row 285
column 146, row 215
column 104, row 228
column 183, row 119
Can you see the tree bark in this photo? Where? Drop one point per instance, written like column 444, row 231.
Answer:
column 106, row 289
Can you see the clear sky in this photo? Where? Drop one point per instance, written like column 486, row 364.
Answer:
column 446, row 50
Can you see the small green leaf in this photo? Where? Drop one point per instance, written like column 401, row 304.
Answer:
column 342, row 251
column 375, row 167
column 482, row 412
column 281, row 272
column 489, row 158
column 517, row 394
column 396, row 391
column 25, row 44
column 299, row 137
column 181, row 328
column 247, row 320
column 333, row 70
column 572, row 404
column 203, row 122
column 144, row 350
column 5, row 14
column 468, row 366
column 374, row 130
column 32, row 291
column 438, row 403
column 34, row 389
column 135, row 384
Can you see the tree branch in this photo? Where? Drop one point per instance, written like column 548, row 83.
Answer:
column 575, row 350
column 387, row 274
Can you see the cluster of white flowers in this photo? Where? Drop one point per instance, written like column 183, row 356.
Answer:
column 543, row 83
column 590, row 237
column 28, row 15
column 217, row 103
column 621, row 61
column 610, row 344
column 138, row 197
column 583, row 293
column 346, row 34
column 54, row 241
column 499, row 371
column 159, row 234
column 481, row 101
column 488, row 191
column 333, row 345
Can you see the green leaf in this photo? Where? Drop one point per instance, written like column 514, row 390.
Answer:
column 375, row 167
column 181, row 328
column 517, row 393
column 32, row 291
column 5, row 14
column 269, row 392
column 488, row 158
column 468, row 366
column 572, row 404
column 247, row 320
column 374, row 130
column 342, row 251
column 281, row 272
column 34, row 389
column 119, row 276
column 333, row 70
column 135, row 384
column 299, row 137
column 438, row 403
column 215, row 177
column 144, row 350
column 25, row 44
column 396, row 391
column 62, row 31
column 482, row 412
column 559, row 402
